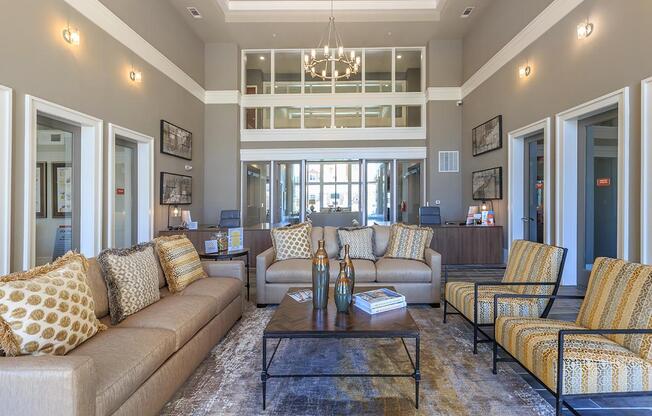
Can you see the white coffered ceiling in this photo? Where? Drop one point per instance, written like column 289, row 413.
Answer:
column 362, row 23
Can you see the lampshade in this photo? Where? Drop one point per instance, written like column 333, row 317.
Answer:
column 185, row 217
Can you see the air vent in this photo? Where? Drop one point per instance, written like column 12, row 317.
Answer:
column 194, row 12
column 467, row 12
column 449, row 161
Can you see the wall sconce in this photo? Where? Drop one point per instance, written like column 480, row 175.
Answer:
column 524, row 71
column 136, row 76
column 584, row 30
column 71, row 36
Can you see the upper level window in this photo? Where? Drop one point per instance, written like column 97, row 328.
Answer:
column 258, row 72
column 378, row 70
column 408, row 70
column 287, row 72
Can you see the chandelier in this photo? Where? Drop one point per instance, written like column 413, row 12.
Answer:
column 325, row 65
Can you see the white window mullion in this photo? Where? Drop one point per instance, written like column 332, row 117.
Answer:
column 363, row 191
column 303, row 75
column 272, row 191
column 392, row 189
column 364, row 70
column 393, row 69
column 303, row 192
column 272, row 73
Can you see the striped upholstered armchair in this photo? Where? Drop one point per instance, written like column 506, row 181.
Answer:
column 532, row 268
column 607, row 350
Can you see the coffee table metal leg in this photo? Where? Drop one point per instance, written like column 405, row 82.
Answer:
column 417, row 374
column 263, row 374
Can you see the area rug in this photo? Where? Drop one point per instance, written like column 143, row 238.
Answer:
column 453, row 380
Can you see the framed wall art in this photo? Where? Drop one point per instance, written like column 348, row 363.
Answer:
column 176, row 141
column 488, row 184
column 176, row 189
column 488, row 136
column 41, row 190
column 61, row 190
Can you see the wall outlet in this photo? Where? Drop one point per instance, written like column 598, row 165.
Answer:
column 437, row 202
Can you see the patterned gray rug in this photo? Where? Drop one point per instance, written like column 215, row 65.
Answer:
column 453, row 380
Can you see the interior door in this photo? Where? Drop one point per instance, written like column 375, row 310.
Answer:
column 534, row 192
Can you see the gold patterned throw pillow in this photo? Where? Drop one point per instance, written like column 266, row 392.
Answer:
column 293, row 242
column 408, row 242
column 131, row 276
column 47, row 310
column 179, row 261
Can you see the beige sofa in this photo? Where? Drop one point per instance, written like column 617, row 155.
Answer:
column 135, row 367
column 420, row 282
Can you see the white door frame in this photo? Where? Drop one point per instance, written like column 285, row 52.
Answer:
column 145, row 180
column 567, row 152
column 90, row 240
column 6, row 117
column 646, row 170
column 516, row 180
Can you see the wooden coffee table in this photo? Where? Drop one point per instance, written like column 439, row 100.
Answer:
column 299, row 320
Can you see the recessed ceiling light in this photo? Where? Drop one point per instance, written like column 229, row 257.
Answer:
column 467, row 12
column 399, row 56
column 262, row 58
column 389, row 33
column 194, row 12
column 273, row 35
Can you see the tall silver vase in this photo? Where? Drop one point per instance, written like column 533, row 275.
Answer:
column 320, row 276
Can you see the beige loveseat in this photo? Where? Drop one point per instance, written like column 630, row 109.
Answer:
column 135, row 367
column 419, row 281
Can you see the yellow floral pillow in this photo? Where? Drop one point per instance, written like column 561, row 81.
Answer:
column 47, row 310
column 180, row 261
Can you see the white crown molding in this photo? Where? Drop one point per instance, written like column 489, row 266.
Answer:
column 255, row 155
column 549, row 17
column 99, row 14
column 6, row 110
column 222, row 97
column 333, row 134
column 444, row 93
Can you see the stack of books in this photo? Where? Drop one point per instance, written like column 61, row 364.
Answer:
column 379, row 300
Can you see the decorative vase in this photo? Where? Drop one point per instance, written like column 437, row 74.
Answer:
column 320, row 276
column 350, row 271
column 343, row 292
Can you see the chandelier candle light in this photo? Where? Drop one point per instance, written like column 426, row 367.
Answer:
column 331, row 51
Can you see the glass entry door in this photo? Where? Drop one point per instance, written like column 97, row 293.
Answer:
column 126, row 193
column 599, row 191
column 534, row 194
column 379, row 192
column 57, row 188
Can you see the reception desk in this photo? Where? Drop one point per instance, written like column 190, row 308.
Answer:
column 457, row 244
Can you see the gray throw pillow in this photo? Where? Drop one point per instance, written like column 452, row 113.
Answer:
column 360, row 241
column 131, row 276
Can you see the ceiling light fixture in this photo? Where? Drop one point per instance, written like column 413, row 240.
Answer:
column 262, row 57
column 71, row 36
column 584, row 30
column 331, row 50
column 399, row 56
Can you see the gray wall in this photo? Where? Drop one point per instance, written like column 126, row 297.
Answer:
column 222, row 143
column 93, row 79
column 566, row 72
column 159, row 23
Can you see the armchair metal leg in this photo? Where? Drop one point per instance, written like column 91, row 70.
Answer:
column 445, row 309
column 559, row 405
column 495, row 357
column 475, row 337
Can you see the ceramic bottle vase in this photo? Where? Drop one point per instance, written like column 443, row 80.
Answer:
column 350, row 271
column 320, row 276
column 343, row 290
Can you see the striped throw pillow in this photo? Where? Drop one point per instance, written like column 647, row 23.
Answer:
column 179, row 261
column 408, row 242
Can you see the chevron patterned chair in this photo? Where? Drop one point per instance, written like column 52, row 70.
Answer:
column 532, row 268
column 606, row 351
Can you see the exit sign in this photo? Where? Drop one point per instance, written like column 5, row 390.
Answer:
column 603, row 182
column 120, row 191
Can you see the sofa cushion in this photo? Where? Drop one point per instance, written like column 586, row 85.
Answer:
column 222, row 289
column 316, row 234
column 183, row 315
column 290, row 271
column 592, row 363
column 132, row 279
column 460, row 295
column 402, row 270
column 180, row 261
column 360, row 241
column 409, row 241
column 48, row 309
column 332, row 242
column 381, row 239
column 533, row 262
column 292, row 242
column 365, row 270
column 124, row 358
column 98, row 288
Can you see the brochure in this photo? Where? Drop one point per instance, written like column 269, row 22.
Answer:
column 301, row 296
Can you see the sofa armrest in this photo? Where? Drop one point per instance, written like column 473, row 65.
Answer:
column 49, row 385
column 433, row 260
column 231, row 268
column 263, row 261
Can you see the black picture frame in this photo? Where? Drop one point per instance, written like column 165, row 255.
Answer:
column 172, row 189
column 171, row 137
column 484, row 138
column 57, row 211
column 483, row 189
column 42, row 190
